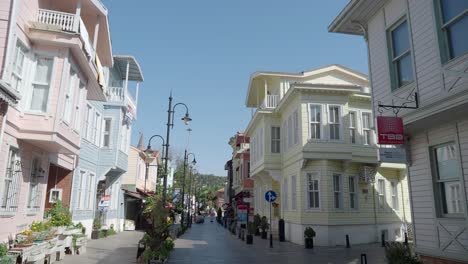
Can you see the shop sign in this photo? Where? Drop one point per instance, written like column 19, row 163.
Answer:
column 392, row 155
column 390, row 130
column 105, row 201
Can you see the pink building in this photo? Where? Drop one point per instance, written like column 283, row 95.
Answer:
column 49, row 56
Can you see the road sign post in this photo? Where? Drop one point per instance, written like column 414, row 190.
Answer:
column 270, row 196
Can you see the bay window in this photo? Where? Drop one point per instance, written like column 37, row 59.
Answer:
column 334, row 122
column 367, row 128
column 401, row 62
column 352, row 127
column 313, row 190
column 452, row 20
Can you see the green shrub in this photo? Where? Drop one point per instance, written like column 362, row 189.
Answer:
column 97, row 223
column 397, row 253
column 309, row 232
column 257, row 221
column 3, row 249
column 59, row 215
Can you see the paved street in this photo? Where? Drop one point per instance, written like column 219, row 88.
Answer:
column 119, row 248
column 211, row 243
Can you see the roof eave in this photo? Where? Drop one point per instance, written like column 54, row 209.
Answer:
column 336, row 26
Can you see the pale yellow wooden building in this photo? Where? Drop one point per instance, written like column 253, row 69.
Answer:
column 312, row 137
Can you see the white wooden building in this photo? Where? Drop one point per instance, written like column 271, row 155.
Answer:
column 421, row 46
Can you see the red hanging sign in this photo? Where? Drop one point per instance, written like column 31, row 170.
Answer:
column 390, row 130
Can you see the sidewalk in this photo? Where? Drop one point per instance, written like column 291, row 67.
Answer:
column 119, row 248
column 211, row 243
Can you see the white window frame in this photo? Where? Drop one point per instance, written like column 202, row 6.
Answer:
column 9, row 197
column 58, row 191
column 72, row 85
column 337, row 193
column 28, row 96
column 438, row 183
column 34, row 196
column 320, row 122
column 353, row 128
column 290, row 131
column 80, row 99
column 367, row 129
column 296, row 127
column 353, row 192
column 275, row 142
column 81, row 189
column 107, row 133
column 394, row 195
column 381, row 193
column 90, row 190
column 294, row 192
column 18, row 85
column 330, row 123
column 285, row 194
column 314, row 176
column 96, row 128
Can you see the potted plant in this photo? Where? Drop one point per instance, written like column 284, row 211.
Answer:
column 4, row 259
column 256, row 222
column 264, row 227
column 251, row 230
column 59, row 215
column 309, row 235
column 96, row 228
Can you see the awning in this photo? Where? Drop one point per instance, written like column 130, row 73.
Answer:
column 134, row 195
column 134, row 70
column 7, row 93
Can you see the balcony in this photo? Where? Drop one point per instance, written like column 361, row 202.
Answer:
column 67, row 22
column 118, row 95
column 270, row 102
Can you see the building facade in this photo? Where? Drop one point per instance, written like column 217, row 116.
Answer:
column 53, row 65
column 242, row 184
column 105, row 144
column 312, row 141
column 419, row 49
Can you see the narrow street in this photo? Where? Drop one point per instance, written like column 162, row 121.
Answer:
column 119, row 248
column 211, row 243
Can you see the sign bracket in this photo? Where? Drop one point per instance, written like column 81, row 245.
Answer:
column 397, row 108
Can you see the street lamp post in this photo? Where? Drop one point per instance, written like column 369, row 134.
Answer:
column 148, row 152
column 183, row 183
column 170, row 124
column 189, row 220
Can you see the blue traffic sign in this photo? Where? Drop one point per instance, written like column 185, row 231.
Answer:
column 270, row 196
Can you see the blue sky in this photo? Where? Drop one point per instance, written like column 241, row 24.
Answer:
column 205, row 50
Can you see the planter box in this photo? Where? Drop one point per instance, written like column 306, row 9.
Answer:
column 60, row 229
column 36, row 257
column 75, row 231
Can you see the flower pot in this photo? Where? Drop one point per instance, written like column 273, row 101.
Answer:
column 264, row 235
column 249, row 239
column 309, row 243
column 95, row 234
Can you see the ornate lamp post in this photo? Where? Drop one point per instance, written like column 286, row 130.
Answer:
column 186, row 155
column 148, row 152
column 170, row 124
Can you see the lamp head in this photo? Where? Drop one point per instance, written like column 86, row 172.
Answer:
column 186, row 119
column 194, row 161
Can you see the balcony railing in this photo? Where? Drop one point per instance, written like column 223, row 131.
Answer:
column 69, row 23
column 270, row 102
column 65, row 21
column 117, row 95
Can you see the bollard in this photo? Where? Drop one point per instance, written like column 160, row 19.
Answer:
column 406, row 238
column 363, row 259
column 271, row 240
column 281, row 230
column 347, row 242
column 383, row 240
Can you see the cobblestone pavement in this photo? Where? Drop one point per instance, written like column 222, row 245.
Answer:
column 211, row 243
column 119, row 248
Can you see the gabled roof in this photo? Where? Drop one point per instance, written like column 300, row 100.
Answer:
column 355, row 16
column 134, row 70
column 305, row 74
